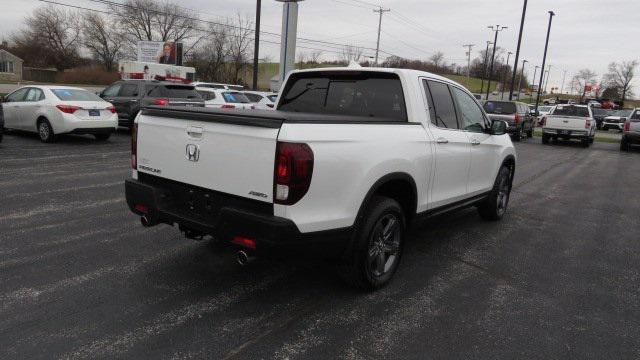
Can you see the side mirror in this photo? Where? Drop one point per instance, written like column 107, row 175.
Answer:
column 624, row 119
column 271, row 105
column 499, row 127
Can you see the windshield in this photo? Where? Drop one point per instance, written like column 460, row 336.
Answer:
column 75, row 95
column 500, row 107
column 235, row 97
column 371, row 95
column 571, row 110
column 545, row 108
column 622, row 113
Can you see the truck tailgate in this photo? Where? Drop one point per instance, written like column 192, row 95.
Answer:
column 566, row 122
column 233, row 153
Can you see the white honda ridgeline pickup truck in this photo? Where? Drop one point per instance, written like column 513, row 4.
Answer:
column 348, row 160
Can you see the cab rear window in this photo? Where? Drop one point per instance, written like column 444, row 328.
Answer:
column 181, row 92
column 369, row 95
column 570, row 110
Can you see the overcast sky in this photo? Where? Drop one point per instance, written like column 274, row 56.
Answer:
column 585, row 33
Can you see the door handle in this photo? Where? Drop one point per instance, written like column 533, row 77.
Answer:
column 442, row 140
column 475, row 142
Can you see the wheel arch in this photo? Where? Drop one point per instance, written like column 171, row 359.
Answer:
column 399, row 186
column 510, row 162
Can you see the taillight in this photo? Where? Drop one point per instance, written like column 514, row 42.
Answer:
column 134, row 146
column 68, row 109
column 227, row 106
column 627, row 126
column 161, row 102
column 293, row 172
column 112, row 109
column 518, row 118
column 587, row 124
column 543, row 121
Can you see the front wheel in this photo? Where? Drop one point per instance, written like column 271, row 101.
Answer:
column 624, row 144
column 102, row 137
column 495, row 206
column 377, row 246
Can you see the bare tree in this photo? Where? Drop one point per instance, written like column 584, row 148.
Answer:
column 57, row 31
column 240, row 41
column 581, row 80
column 315, row 56
column 620, row 76
column 437, row 59
column 302, row 57
column 351, row 53
column 102, row 39
column 210, row 55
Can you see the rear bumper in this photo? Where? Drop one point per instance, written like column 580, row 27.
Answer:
column 632, row 138
column 272, row 234
column 93, row 131
column 566, row 134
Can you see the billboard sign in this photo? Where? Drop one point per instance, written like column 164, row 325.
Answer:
column 160, row 52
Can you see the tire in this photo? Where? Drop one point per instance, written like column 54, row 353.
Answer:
column 624, row 144
column 102, row 137
column 45, row 131
column 518, row 135
column 495, row 206
column 530, row 131
column 377, row 250
column 545, row 139
column 585, row 142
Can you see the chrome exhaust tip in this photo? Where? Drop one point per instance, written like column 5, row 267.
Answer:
column 144, row 220
column 243, row 258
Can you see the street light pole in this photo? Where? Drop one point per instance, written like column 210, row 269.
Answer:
column 515, row 64
column 497, row 29
column 564, row 76
column 469, row 47
column 256, row 48
column 544, row 58
column 521, row 76
column 484, row 67
column 546, row 83
column 504, row 77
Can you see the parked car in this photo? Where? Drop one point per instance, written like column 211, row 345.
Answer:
column 616, row 120
column 569, row 122
column 1, row 121
column 129, row 96
column 542, row 111
column 348, row 160
column 54, row 110
column 516, row 114
column 631, row 131
column 549, row 101
column 599, row 114
column 209, row 85
column 224, row 99
column 261, row 100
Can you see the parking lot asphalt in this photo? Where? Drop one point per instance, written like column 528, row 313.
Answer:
column 80, row 278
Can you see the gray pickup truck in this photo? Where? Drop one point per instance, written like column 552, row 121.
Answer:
column 631, row 131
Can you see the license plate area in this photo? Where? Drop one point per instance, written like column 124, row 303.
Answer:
column 565, row 132
column 94, row 112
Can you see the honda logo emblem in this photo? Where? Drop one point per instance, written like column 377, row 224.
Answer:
column 193, row 152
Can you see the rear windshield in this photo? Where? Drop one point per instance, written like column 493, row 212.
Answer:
column 500, row 107
column 75, row 95
column 361, row 94
column 235, row 97
column 181, row 92
column 636, row 116
column 570, row 110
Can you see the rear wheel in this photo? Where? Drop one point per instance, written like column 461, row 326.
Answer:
column 518, row 135
column 624, row 144
column 377, row 246
column 530, row 131
column 495, row 206
column 102, row 137
column 545, row 139
column 45, row 131
column 585, row 142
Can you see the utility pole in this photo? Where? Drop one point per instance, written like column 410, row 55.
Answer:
column 256, row 47
column 544, row 58
column 504, row 77
column 379, row 11
column 515, row 64
column 564, row 76
column 484, row 67
column 521, row 76
column 546, row 83
column 535, row 72
column 497, row 29
column 469, row 47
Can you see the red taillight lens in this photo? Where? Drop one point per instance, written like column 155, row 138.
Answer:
column 518, row 118
column 134, row 146
column 293, row 172
column 587, row 124
column 244, row 242
column 112, row 109
column 68, row 109
column 161, row 102
column 627, row 126
column 543, row 121
column 227, row 106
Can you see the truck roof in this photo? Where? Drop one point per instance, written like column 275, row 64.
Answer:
column 399, row 72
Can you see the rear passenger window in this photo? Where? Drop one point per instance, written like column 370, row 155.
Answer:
column 444, row 109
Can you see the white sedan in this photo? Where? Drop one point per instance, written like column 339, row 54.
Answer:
column 224, row 99
column 262, row 100
column 55, row 110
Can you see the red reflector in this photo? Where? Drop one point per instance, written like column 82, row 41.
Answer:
column 161, row 102
column 142, row 208
column 67, row 109
column 244, row 242
column 112, row 109
column 627, row 126
column 227, row 106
